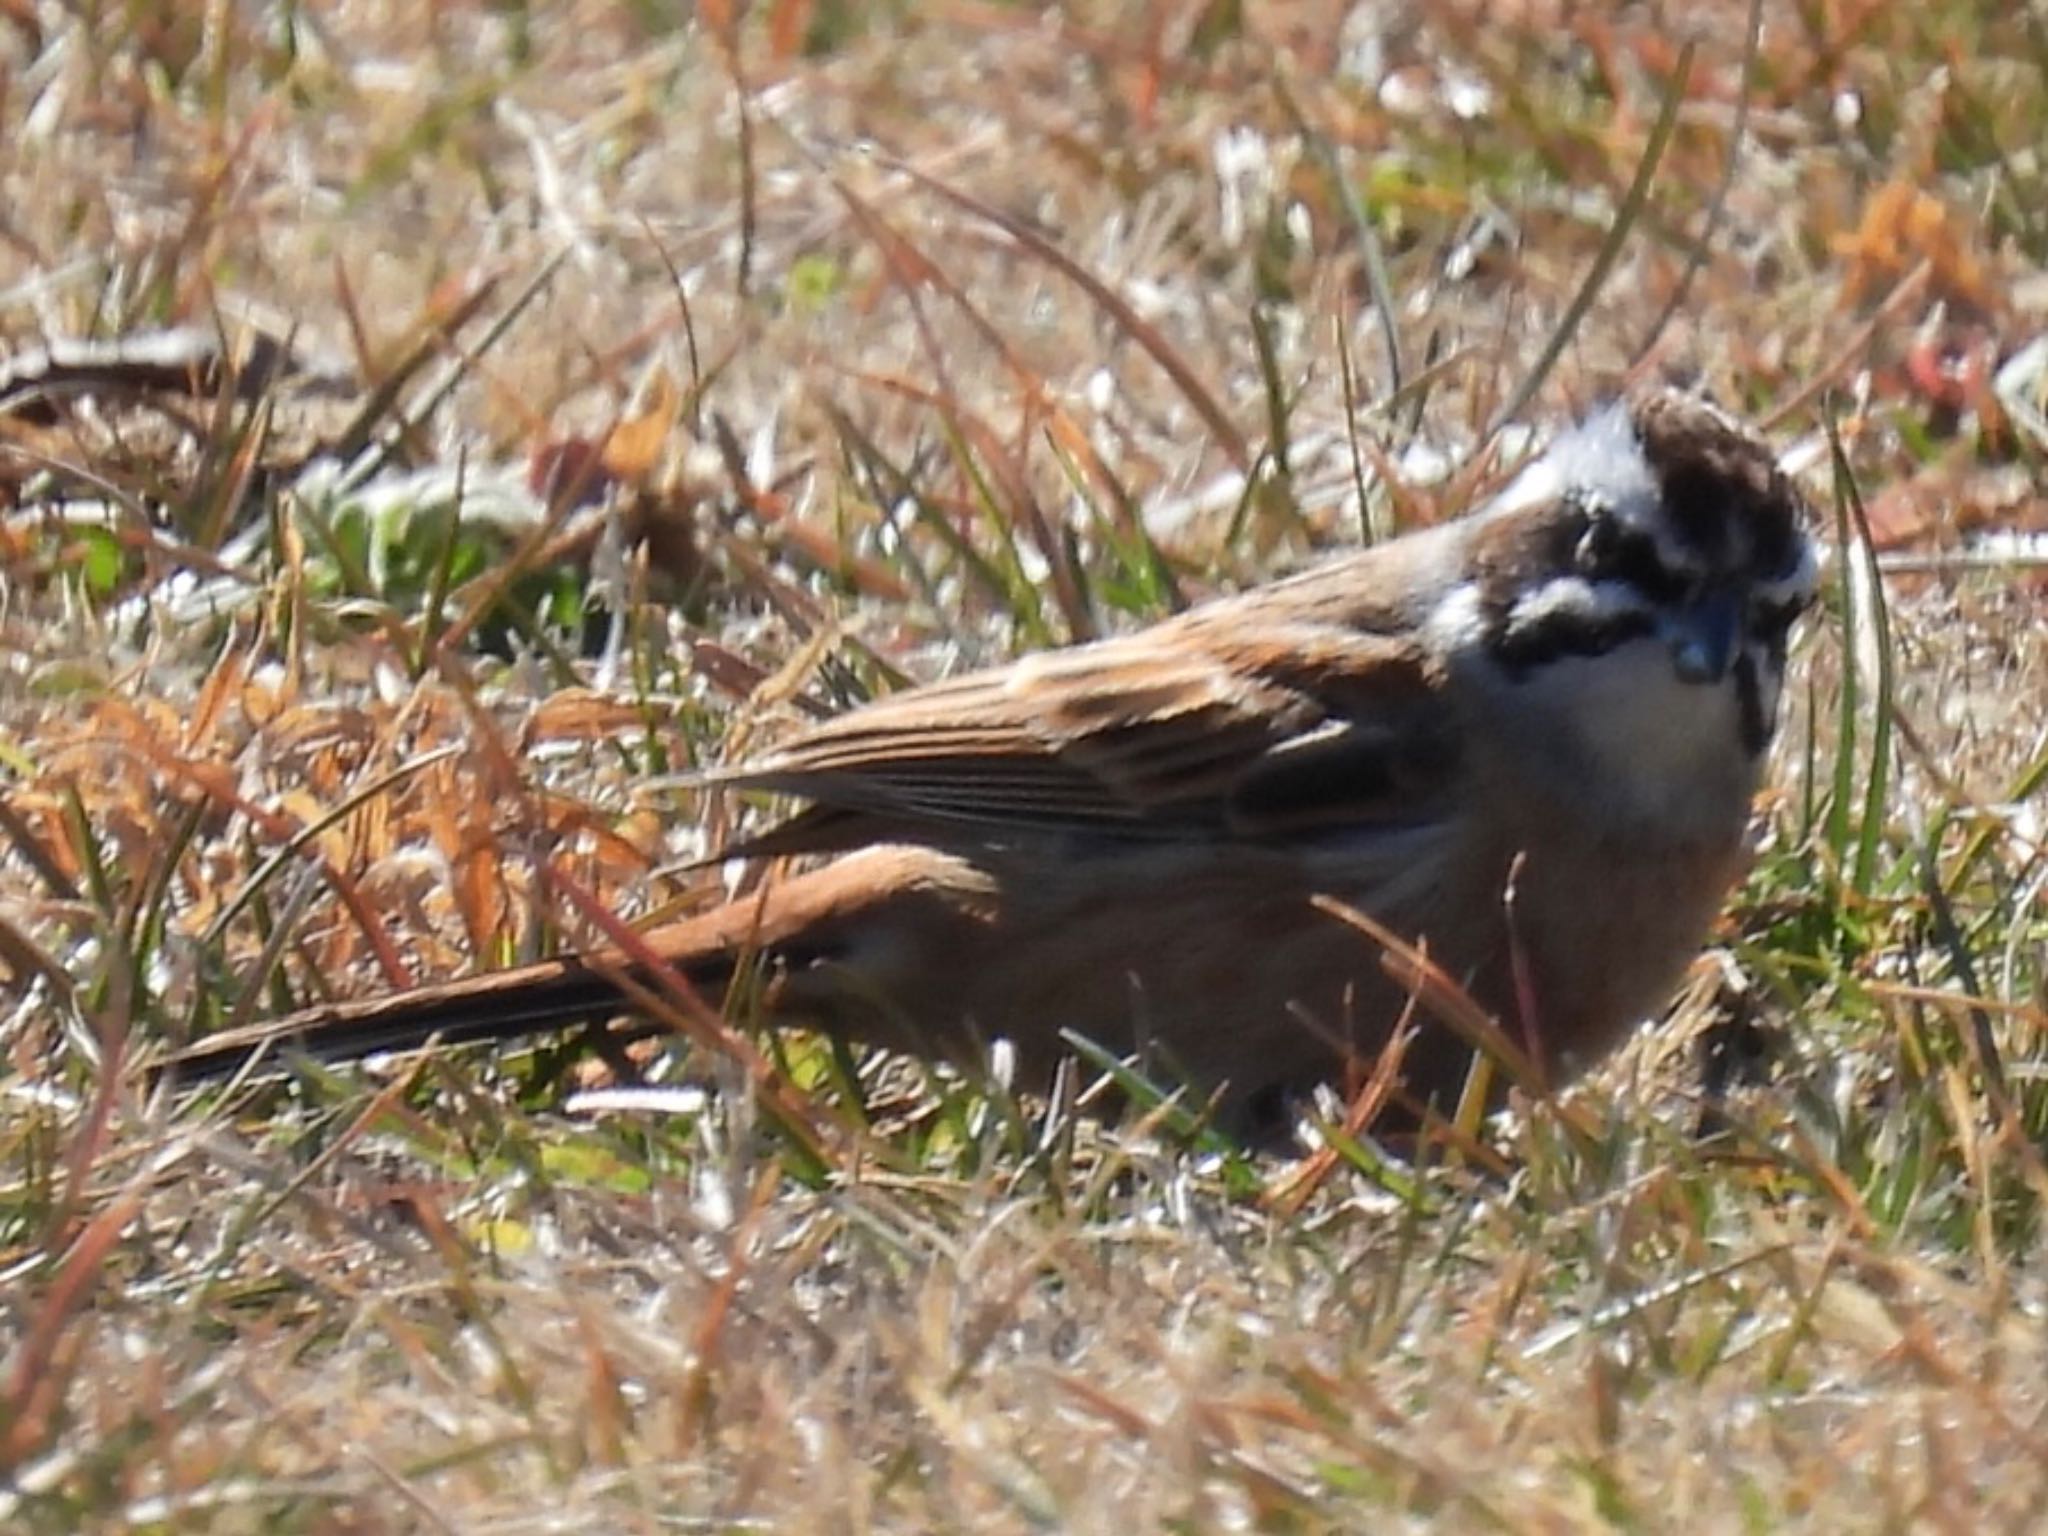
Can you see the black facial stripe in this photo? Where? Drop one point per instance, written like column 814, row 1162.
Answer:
column 1774, row 539
column 1749, row 704
column 1560, row 634
column 1600, row 548
column 1636, row 561
column 1790, row 589
column 1772, row 622
column 1696, row 500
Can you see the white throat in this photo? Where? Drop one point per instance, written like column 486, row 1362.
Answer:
column 1664, row 755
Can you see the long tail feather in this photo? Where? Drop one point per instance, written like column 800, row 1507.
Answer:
column 496, row 1007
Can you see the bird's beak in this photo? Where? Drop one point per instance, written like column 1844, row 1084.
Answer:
column 1703, row 635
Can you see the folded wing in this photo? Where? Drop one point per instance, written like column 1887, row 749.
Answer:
column 1195, row 729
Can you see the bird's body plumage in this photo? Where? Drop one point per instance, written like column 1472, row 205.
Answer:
column 1526, row 741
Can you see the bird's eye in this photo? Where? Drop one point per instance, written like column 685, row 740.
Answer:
column 1597, row 548
column 1610, row 552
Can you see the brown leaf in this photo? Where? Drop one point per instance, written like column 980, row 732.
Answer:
column 632, row 449
column 577, row 714
column 1903, row 225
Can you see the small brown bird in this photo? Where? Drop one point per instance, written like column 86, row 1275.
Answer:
column 1568, row 693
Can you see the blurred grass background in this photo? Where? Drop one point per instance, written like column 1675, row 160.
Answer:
column 422, row 424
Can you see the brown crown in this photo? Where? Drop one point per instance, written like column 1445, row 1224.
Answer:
column 1720, row 483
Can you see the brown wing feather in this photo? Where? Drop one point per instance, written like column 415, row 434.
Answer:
column 1195, row 728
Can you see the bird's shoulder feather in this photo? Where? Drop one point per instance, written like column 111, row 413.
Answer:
column 1246, row 719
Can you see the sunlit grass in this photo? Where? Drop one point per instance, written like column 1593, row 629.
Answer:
column 645, row 397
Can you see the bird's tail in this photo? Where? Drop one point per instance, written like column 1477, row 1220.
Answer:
column 497, row 1006
column 791, row 926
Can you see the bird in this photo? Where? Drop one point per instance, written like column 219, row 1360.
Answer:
column 1522, row 745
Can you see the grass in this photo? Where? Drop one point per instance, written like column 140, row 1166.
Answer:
column 654, row 384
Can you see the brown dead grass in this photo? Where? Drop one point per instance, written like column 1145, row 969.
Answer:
column 904, row 339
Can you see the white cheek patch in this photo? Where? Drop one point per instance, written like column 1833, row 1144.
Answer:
column 1457, row 623
column 1589, row 604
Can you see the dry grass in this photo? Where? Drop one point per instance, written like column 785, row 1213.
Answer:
column 654, row 382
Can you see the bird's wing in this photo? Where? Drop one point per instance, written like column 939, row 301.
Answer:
column 1275, row 728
